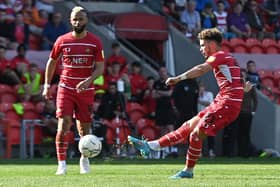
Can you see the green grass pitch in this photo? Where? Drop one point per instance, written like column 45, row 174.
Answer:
column 143, row 173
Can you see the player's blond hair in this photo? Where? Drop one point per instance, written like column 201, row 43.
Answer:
column 212, row 34
column 77, row 9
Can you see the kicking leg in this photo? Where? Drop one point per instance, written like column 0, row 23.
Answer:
column 175, row 137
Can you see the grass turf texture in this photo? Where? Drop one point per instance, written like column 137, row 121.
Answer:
column 143, row 173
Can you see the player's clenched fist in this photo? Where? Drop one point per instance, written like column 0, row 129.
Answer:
column 172, row 80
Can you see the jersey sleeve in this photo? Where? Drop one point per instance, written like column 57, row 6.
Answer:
column 56, row 50
column 214, row 60
column 99, row 52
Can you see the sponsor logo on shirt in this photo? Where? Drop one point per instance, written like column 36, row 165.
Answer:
column 79, row 60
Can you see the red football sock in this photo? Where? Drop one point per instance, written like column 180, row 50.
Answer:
column 61, row 143
column 194, row 150
column 178, row 136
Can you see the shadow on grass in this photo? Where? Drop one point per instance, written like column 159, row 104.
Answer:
column 219, row 160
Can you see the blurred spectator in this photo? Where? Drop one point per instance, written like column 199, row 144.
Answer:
column 237, row 22
column 19, row 63
column 13, row 6
column 204, row 99
column 116, row 57
column 112, row 103
column 170, row 8
column 149, row 101
column 180, row 5
column 137, row 81
column 52, row 30
column 221, row 16
column 240, row 129
column 7, row 31
column 116, row 75
column 244, row 120
column 49, row 118
column 165, row 116
column 46, row 5
column 7, row 76
column 191, row 19
column 34, row 18
column 21, row 30
column 31, row 89
column 208, row 18
column 272, row 9
column 252, row 74
column 256, row 22
column 200, row 4
column 185, row 95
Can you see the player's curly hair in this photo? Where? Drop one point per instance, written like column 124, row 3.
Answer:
column 212, row 34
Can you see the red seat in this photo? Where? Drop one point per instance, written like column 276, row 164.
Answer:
column 268, row 83
column 253, row 42
column 28, row 106
column 256, row 50
column 265, row 73
column 147, row 128
column 9, row 111
column 135, row 111
column 6, row 89
column 12, row 135
column 271, row 50
column 238, row 45
column 8, row 97
column 226, row 46
column 237, row 42
column 270, row 46
column 39, row 107
column 269, row 42
column 240, row 49
column 276, row 77
column 111, row 134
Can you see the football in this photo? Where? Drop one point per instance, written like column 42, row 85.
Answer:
column 90, row 146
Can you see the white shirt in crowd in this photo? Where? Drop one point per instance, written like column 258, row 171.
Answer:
column 205, row 97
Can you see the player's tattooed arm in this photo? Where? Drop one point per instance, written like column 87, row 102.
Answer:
column 194, row 72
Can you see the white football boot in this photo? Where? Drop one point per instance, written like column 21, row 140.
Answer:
column 84, row 165
column 61, row 169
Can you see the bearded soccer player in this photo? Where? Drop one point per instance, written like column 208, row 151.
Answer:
column 83, row 61
column 223, row 110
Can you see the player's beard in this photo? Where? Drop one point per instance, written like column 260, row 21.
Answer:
column 80, row 29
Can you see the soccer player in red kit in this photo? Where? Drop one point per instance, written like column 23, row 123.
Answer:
column 223, row 110
column 82, row 61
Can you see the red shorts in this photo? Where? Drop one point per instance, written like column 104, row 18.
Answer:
column 218, row 115
column 71, row 103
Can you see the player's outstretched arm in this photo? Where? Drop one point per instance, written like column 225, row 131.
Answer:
column 194, row 72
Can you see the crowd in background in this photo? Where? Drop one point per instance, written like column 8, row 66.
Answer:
column 122, row 81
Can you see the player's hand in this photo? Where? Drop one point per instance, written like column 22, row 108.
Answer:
column 171, row 81
column 248, row 86
column 47, row 93
column 83, row 85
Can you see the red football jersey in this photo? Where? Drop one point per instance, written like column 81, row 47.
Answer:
column 78, row 58
column 228, row 75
